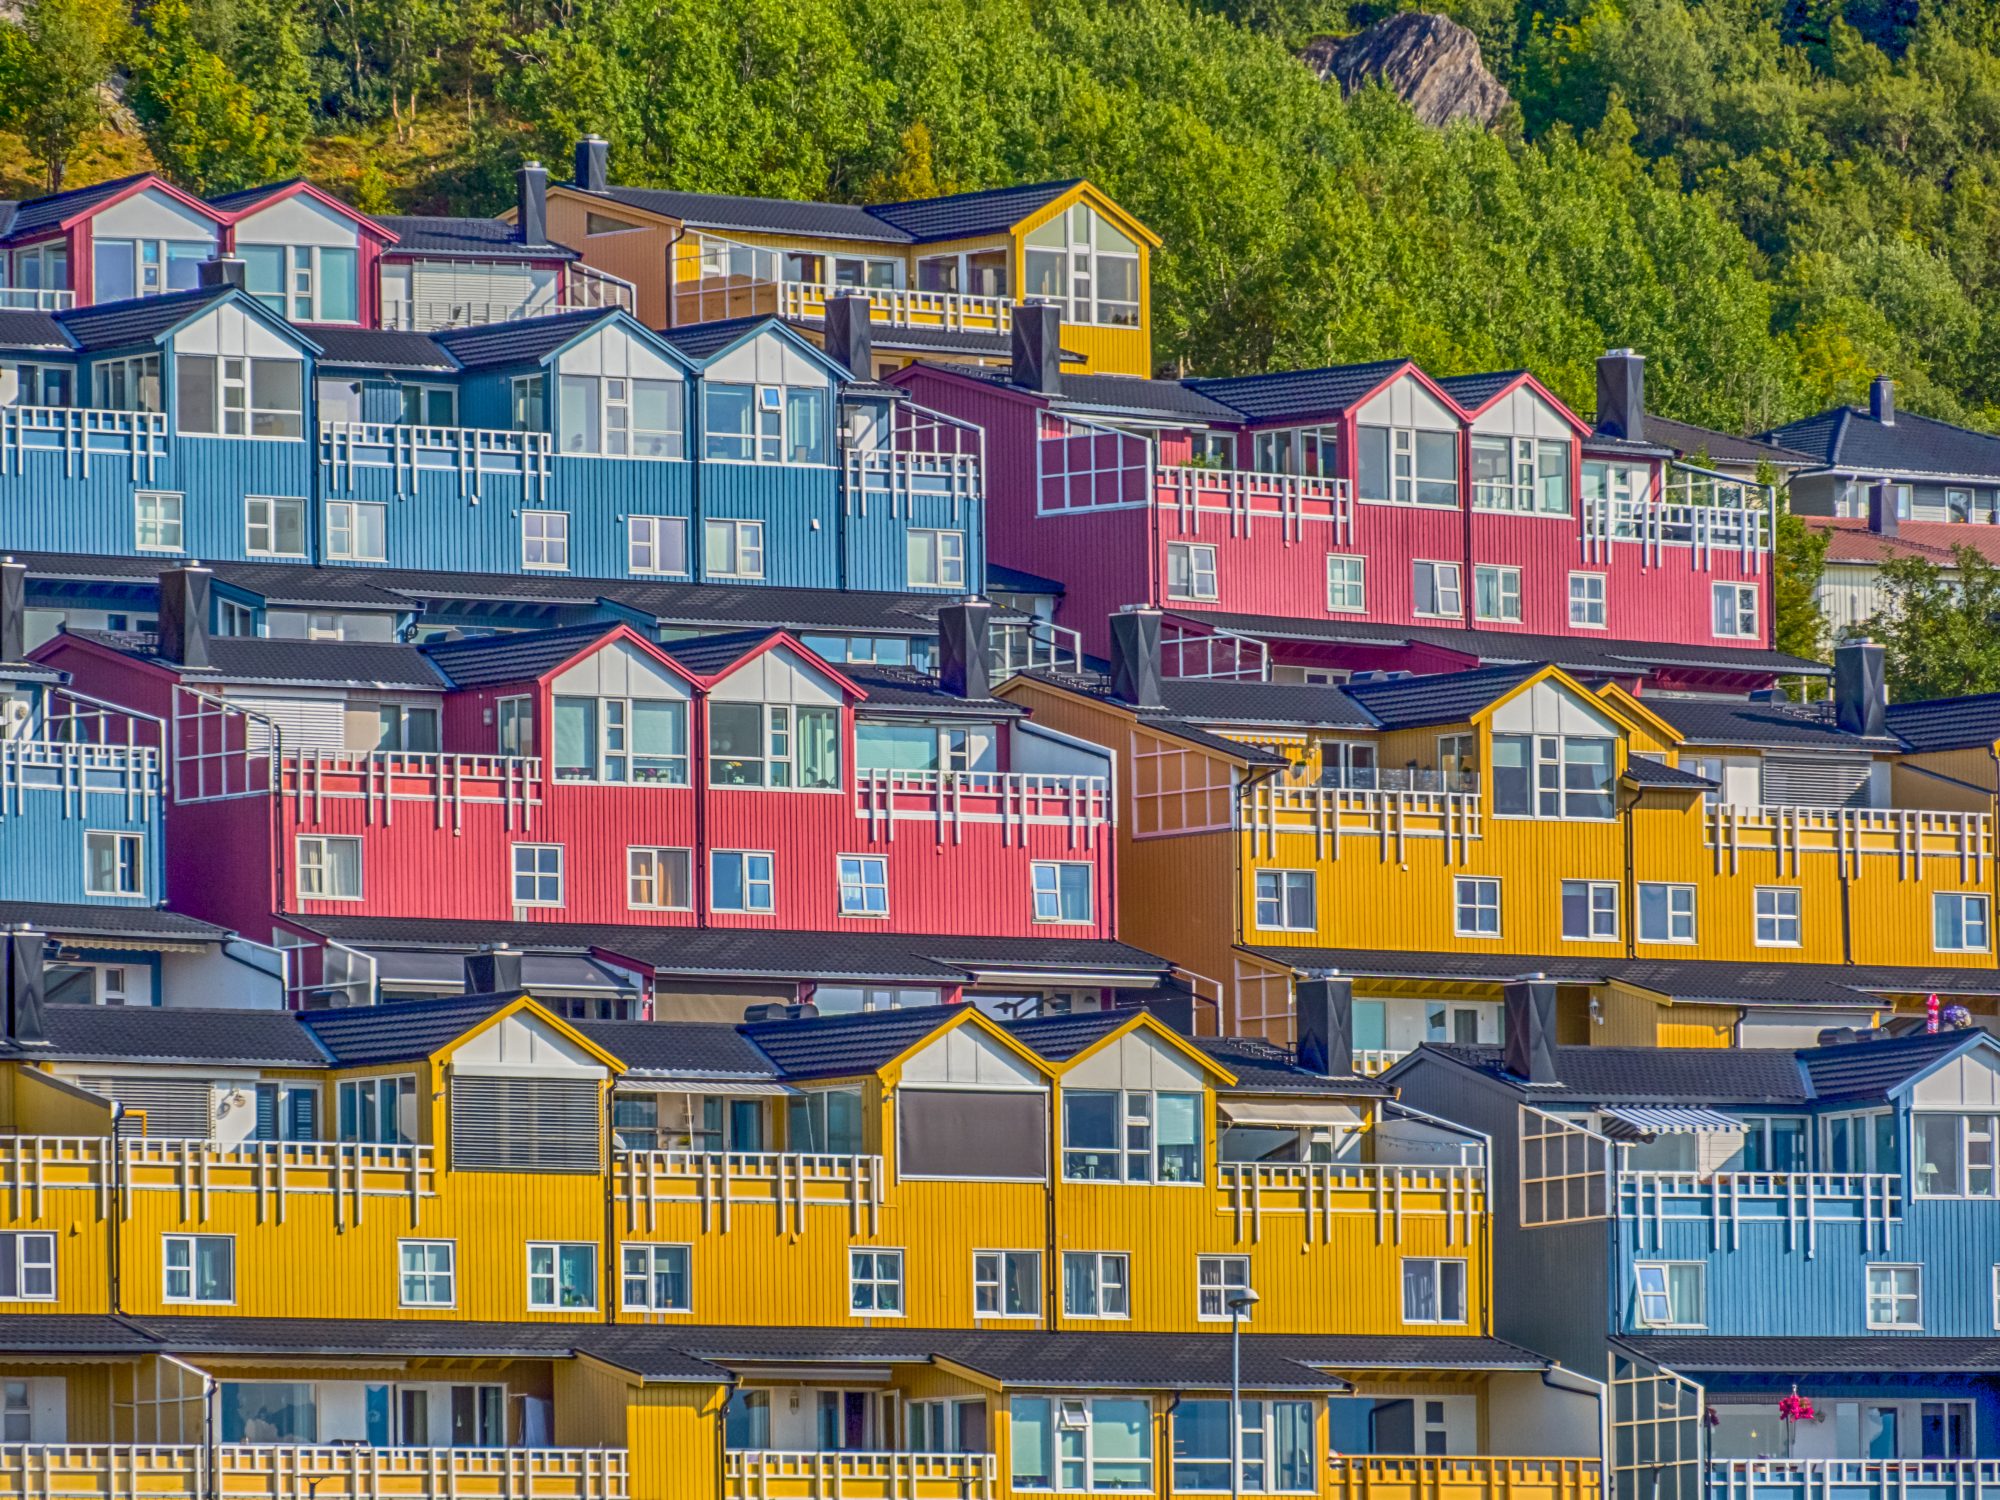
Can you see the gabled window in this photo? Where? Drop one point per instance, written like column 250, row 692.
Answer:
column 1553, row 776
column 231, row 396
column 773, row 745
column 1406, row 467
column 1131, row 1135
column 1082, row 261
column 766, row 424
column 619, row 418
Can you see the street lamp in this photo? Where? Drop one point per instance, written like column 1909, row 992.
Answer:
column 1238, row 1305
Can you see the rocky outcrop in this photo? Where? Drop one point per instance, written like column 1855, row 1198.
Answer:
column 1431, row 62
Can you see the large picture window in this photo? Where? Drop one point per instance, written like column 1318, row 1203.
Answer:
column 1087, row 265
column 1072, row 1443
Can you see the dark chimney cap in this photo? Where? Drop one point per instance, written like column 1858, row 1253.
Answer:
column 1882, row 400
column 532, row 218
column 1037, row 348
column 593, row 163
column 222, row 270
column 1884, row 517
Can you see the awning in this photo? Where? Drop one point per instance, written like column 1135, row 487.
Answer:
column 1642, row 1122
column 631, row 1085
column 1285, row 1112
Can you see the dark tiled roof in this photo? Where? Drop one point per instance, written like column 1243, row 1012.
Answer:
column 699, row 341
column 140, row 320
column 1947, row 723
column 1641, row 770
column 378, row 348
column 966, row 215
column 1442, row 698
column 1474, row 391
column 523, row 341
column 1116, row 395
column 72, row 1333
column 1869, row 1070
column 1262, row 1068
column 1687, row 440
column 317, row 663
column 785, row 609
column 1298, row 393
column 1847, row 437
column 712, row 1048
column 52, row 209
column 244, row 197
column 1878, row 1353
column 1708, row 721
column 452, row 238
column 1059, row 1038
column 483, row 661
column 893, row 688
column 31, row 330
column 710, row 655
column 846, row 1046
column 9, row 207
column 147, row 1034
column 1634, row 1075
column 149, row 923
column 1048, row 954
column 400, row 1031
column 1021, row 581
column 843, row 221
column 1203, row 701
column 297, row 583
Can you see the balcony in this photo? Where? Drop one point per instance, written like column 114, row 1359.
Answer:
column 1398, row 1478
column 85, row 439
column 900, row 307
column 1389, row 1194
column 721, row 1184
column 1032, row 646
column 581, row 289
column 1334, row 815
column 1908, row 834
column 36, row 299
column 765, row 1475
column 915, row 454
column 1014, row 801
column 1705, row 530
column 467, row 456
column 83, row 773
column 38, row 1471
column 1852, row 1478
column 446, row 783
column 1799, row 1202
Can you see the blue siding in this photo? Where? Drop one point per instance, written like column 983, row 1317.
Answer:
column 42, row 830
column 800, row 509
column 875, row 549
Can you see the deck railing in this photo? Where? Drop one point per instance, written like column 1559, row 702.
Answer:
column 1335, row 816
column 133, row 441
column 761, row 1474
column 951, row 801
column 724, row 1183
column 36, row 299
column 241, row 1471
column 912, row 454
column 1368, row 1061
column 1238, row 502
column 1389, row 1477
column 468, row 454
column 1705, row 531
column 1852, row 1478
column 900, row 306
column 1214, row 655
column 81, row 774
column 1033, row 646
column 583, row 288
column 1798, row 1202
column 1910, row 835
column 1388, row 1193
column 383, row 778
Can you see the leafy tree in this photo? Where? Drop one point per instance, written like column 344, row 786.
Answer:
column 1798, row 563
column 200, row 121
column 1940, row 632
column 53, row 66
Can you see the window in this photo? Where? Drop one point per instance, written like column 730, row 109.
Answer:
column 616, row 739
column 544, row 539
column 1959, row 922
column 1433, row 1291
column 1082, row 1443
column 1774, row 1143
column 617, row 417
column 538, row 875
column 199, row 1268
column 157, row 525
column 275, row 527
column 405, row 726
column 1586, row 601
column 659, row 879
column 562, row 1277
column 429, row 1273
column 134, row 385
column 1087, row 265
column 114, row 864
column 656, row 544
column 1285, row 900
column 124, row 269
column 1496, row 593
column 732, row 549
column 824, row 1122
column 379, row 1111
column 1777, row 911
column 746, row 1420
column 1062, row 891
column 656, row 1278
column 1190, row 571
column 1096, row 1285
column 1131, row 1135
column 527, row 409
column 948, row 1426
column 1274, row 1447
column 741, row 881
column 1349, row 764
column 864, row 885
column 305, row 283
column 1736, row 610
column 514, row 721
column 1219, row 1280
column 329, row 868
column 1590, row 911
column 1669, row 1294
column 1521, row 474
column 17, row 1411
column 1895, row 1297
column 429, row 406
column 1954, row 1154
column 1437, row 589
column 937, row 559
column 1552, row 776
column 1345, row 593
column 875, row 1283
column 356, row 532
column 1006, row 1284
column 27, row 1267
column 1666, row 913
column 1406, row 467
column 769, row 424
column 1477, row 907
column 229, row 396
column 707, row 1123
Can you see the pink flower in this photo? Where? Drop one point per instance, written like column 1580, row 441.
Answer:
column 1796, row 1408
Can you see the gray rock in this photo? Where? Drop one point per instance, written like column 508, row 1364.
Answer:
column 1431, row 62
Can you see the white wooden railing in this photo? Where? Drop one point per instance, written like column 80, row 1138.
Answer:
column 950, row 801
column 1368, row 1061
column 82, row 774
column 919, row 454
column 583, row 288
column 761, row 1474
column 1389, row 1193
column 1799, row 1202
column 469, row 453
column 82, row 434
column 1334, row 815
column 382, row 778
column 1033, row 646
column 1910, row 834
column 1654, row 526
column 243, row 1471
column 1219, row 655
column 722, row 1183
column 901, row 307
column 1824, row 1478
column 36, row 299
column 1244, row 497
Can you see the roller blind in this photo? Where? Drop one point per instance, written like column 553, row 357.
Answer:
column 972, row 1133
column 1801, row 781
column 175, row 1108
column 525, row 1125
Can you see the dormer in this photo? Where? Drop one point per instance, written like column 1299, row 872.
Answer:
column 1524, row 444
column 307, row 256
column 767, row 396
column 110, row 242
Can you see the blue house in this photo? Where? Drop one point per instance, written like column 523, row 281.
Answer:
column 1715, row 1231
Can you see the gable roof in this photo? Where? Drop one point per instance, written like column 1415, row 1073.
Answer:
column 484, row 661
column 961, row 216
column 1849, row 438
column 1641, row 1075
column 702, row 343
column 269, row 659
column 530, row 340
column 848, row 1046
column 146, row 320
column 1874, row 1069
column 483, row 239
column 1947, row 723
column 53, row 210
column 1443, row 697
column 174, row 1034
column 379, row 348
column 1130, row 396
column 1686, row 439
column 32, row 330
column 1302, row 393
column 1714, row 721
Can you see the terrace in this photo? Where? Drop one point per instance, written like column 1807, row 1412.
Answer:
column 242, row 1471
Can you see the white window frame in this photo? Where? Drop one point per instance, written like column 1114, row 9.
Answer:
column 537, row 874
column 554, row 1275
column 346, row 516
column 1592, row 891
column 1287, row 883
column 1776, row 917
column 1439, row 592
column 554, row 539
column 1198, row 563
column 654, row 852
column 860, row 875
column 1459, row 905
column 137, row 863
column 651, row 1256
column 1502, row 577
column 1965, row 900
column 749, row 908
column 404, row 1273
column 1595, row 600
column 1439, row 1263
column 23, row 1242
column 1232, row 1273
column 1745, row 597
column 161, row 502
column 168, row 1271
column 1100, row 1260
column 1662, row 1294
column 739, row 529
column 1674, row 889
column 269, row 524
column 1036, row 892
column 946, row 552
column 991, row 1278
column 879, row 1259
column 1338, row 590
column 647, row 532
column 1915, row 1297
column 322, row 843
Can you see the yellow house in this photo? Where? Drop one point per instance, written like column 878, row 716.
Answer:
column 941, row 274
column 1690, row 871
column 468, row 1248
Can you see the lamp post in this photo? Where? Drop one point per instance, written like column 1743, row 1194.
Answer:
column 1238, row 1305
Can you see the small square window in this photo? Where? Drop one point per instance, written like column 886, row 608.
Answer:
column 199, row 1268
column 1669, row 1294
column 1433, row 1291
column 656, row 1279
column 1587, row 610
column 329, row 869
column 1437, row 591
column 1007, row 1284
column 658, row 879
column 875, row 1283
column 428, row 1273
column 741, row 881
column 1496, row 594
column 538, row 875
column 1590, row 911
column 1190, row 571
column 562, row 1278
column 27, row 1267
column 1097, row 1285
column 1666, row 913
column 158, row 522
column 1220, row 1280
column 274, row 527
column 864, row 885
column 1476, row 907
column 545, row 539
column 1063, row 892
column 1285, row 900
column 656, row 544
column 936, row 559
column 1346, row 592
column 1959, row 922
column 1895, row 1297
column 114, row 864
column 1736, row 611
column 1777, row 913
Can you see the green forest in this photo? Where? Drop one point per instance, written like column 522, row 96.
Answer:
column 1774, row 199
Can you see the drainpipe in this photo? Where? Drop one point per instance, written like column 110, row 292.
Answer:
column 698, row 779
column 1468, row 591
column 1631, row 896
column 113, row 1241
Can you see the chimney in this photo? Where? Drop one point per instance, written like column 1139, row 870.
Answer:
column 533, row 219
column 222, row 270
column 1860, row 689
column 1135, row 656
column 27, row 993
column 1882, row 516
column 1038, row 347
column 963, row 665
column 593, row 164
column 1325, row 1006
column 1621, row 395
column 1530, row 1026
column 1882, row 400
column 493, row 970
column 849, row 335
column 184, row 615
column 13, row 610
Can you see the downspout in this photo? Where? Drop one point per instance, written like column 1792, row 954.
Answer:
column 1468, row 589
column 1993, row 814
column 1155, row 589
column 667, row 319
column 613, row 1271
column 698, row 778
column 114, row 1259
column 1631, row 896
column 697, row 426
column 1052, row 1261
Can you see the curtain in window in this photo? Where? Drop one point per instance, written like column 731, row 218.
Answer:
column 659, row 742
column 818, row 747
column 805, row 425
column 576, row 738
